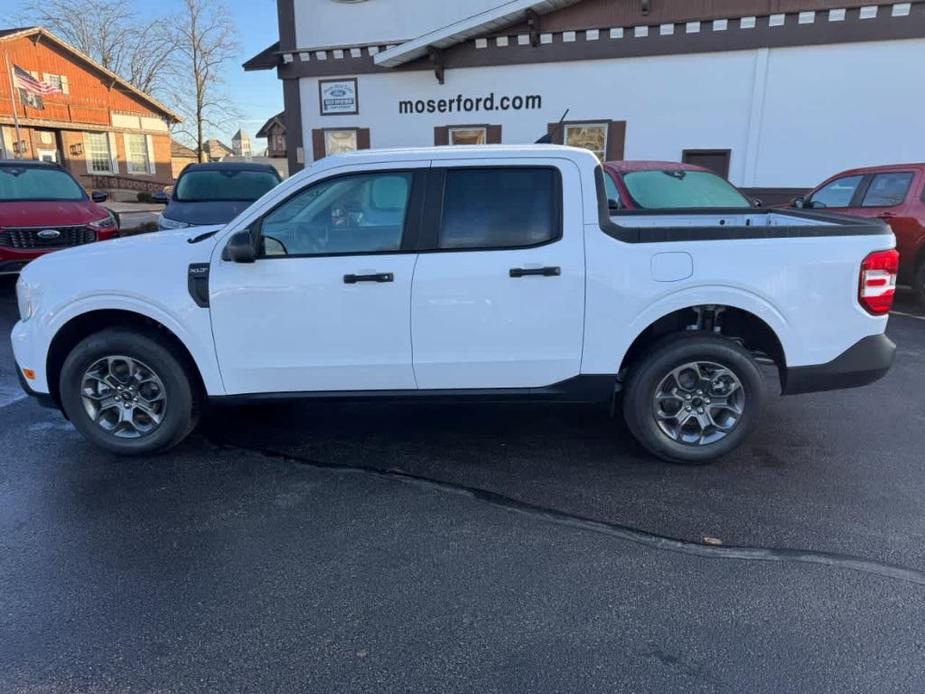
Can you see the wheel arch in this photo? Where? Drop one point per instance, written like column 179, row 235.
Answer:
column 82, row 325
column 742, row 325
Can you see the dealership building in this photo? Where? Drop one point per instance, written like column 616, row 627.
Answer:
column 775, row 94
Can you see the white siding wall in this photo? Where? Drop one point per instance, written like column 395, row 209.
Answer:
column 791, row 116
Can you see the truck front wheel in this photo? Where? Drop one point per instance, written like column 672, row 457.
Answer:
column 694, row 398
column 127, row 391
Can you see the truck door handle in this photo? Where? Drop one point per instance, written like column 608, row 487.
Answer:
column 541, row 271
column 378, row 277
column 887, row 215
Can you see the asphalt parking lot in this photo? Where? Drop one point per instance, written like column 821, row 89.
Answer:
column 356, row 548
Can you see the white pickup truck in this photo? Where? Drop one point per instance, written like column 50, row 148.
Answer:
column 471, row 272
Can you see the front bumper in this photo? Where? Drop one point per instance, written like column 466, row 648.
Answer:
column 864, row 362
column 43, row 399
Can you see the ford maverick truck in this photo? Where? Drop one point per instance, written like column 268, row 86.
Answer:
column 491, row 272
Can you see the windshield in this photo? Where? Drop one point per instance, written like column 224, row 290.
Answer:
column 681, row 189
column 227, row 185
column 37, row 183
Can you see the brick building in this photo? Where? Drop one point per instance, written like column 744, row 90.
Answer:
column 107, row 133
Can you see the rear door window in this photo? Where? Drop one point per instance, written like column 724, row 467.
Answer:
column 514, row 207
column 837, row 193
column 887, row 189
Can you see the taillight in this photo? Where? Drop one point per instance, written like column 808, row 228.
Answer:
column 877, row 285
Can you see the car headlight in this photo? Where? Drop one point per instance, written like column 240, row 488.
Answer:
column 24, row 300
column 106, row 223
column 168, row 223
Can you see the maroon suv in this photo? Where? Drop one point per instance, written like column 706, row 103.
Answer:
column 895, row 194
column 43, row 208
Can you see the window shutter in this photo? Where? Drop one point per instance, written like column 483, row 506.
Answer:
column 556, row 132
column 441, row 135
column 113, row 152
column 616, row 140
column 317, row 144
column 494, row 134
column 363, row 138
column 152, row 165
column 87, row 153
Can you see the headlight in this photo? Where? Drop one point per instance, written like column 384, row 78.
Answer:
column 24, row 299
column 106, row 223
column 168, row 223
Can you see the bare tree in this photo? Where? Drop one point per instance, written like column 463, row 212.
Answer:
column 205, row 43
column 108, row 32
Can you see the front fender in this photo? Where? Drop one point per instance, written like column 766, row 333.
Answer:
column 192, row 328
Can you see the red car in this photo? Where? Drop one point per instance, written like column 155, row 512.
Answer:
column 895, row 194
column 642, row 185
column 43, row 208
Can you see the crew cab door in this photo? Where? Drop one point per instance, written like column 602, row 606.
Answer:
column 326, row 305
column 498, row 293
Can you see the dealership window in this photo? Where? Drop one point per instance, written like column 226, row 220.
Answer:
column 137, row 160
column 592, row 136
column 499, row 208
column 838, row 193
column 481, row 134
column 98, row 152
column 362, row 213
column 887, row 189
column 327, row 141
column 605, row 138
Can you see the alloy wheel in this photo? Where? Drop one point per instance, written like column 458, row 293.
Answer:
column 123, row 396
column 699, row 403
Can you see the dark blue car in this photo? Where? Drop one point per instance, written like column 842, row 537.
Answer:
column 215, row 193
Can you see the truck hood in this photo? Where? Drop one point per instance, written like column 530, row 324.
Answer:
column 136, row 263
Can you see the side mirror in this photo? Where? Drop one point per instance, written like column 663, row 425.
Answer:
column 99, row 196
column 613, row 205
column 159, row 197
column 240, row 248
column 757, row 203
column 798, row 203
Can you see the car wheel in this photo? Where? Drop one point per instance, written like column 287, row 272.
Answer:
column 694, row 398
column 919, row 285
column 127, row 391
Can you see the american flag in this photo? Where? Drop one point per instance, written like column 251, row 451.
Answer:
column 27, row 82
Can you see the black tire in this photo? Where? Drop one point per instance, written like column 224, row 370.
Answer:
column 647, row 375
column 181, row 402
column 918, row 285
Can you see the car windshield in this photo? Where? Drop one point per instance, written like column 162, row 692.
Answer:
column 224, row 184
column 37, row 183
column 681, row 189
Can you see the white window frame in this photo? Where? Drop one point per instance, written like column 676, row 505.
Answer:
column 131, row 164
column 109, row 139
column 463, row 129
column 59, row 81
column 604, row 125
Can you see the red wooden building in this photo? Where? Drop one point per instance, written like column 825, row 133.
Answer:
column 109, row 134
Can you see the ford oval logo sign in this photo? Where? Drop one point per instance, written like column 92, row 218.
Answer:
column 337, row 92
column 49, row 234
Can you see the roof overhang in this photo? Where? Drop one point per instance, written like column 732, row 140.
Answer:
column 495, row 19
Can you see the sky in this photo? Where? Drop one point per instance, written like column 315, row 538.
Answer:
column 257, row 95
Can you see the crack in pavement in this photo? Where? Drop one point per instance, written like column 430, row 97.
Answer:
column 623, row 532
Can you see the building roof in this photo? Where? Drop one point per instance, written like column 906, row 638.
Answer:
column 182, row 151
column 240, row 135
column 279, row 118
column 267, row 59
column 496, row 18
column 213, row 144
column 22, row 32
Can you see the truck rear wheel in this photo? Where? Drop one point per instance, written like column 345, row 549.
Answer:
column 127, row 392
column 694, row 398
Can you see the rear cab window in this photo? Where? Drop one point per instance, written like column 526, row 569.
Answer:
column 887, row 189
column 500, row 207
